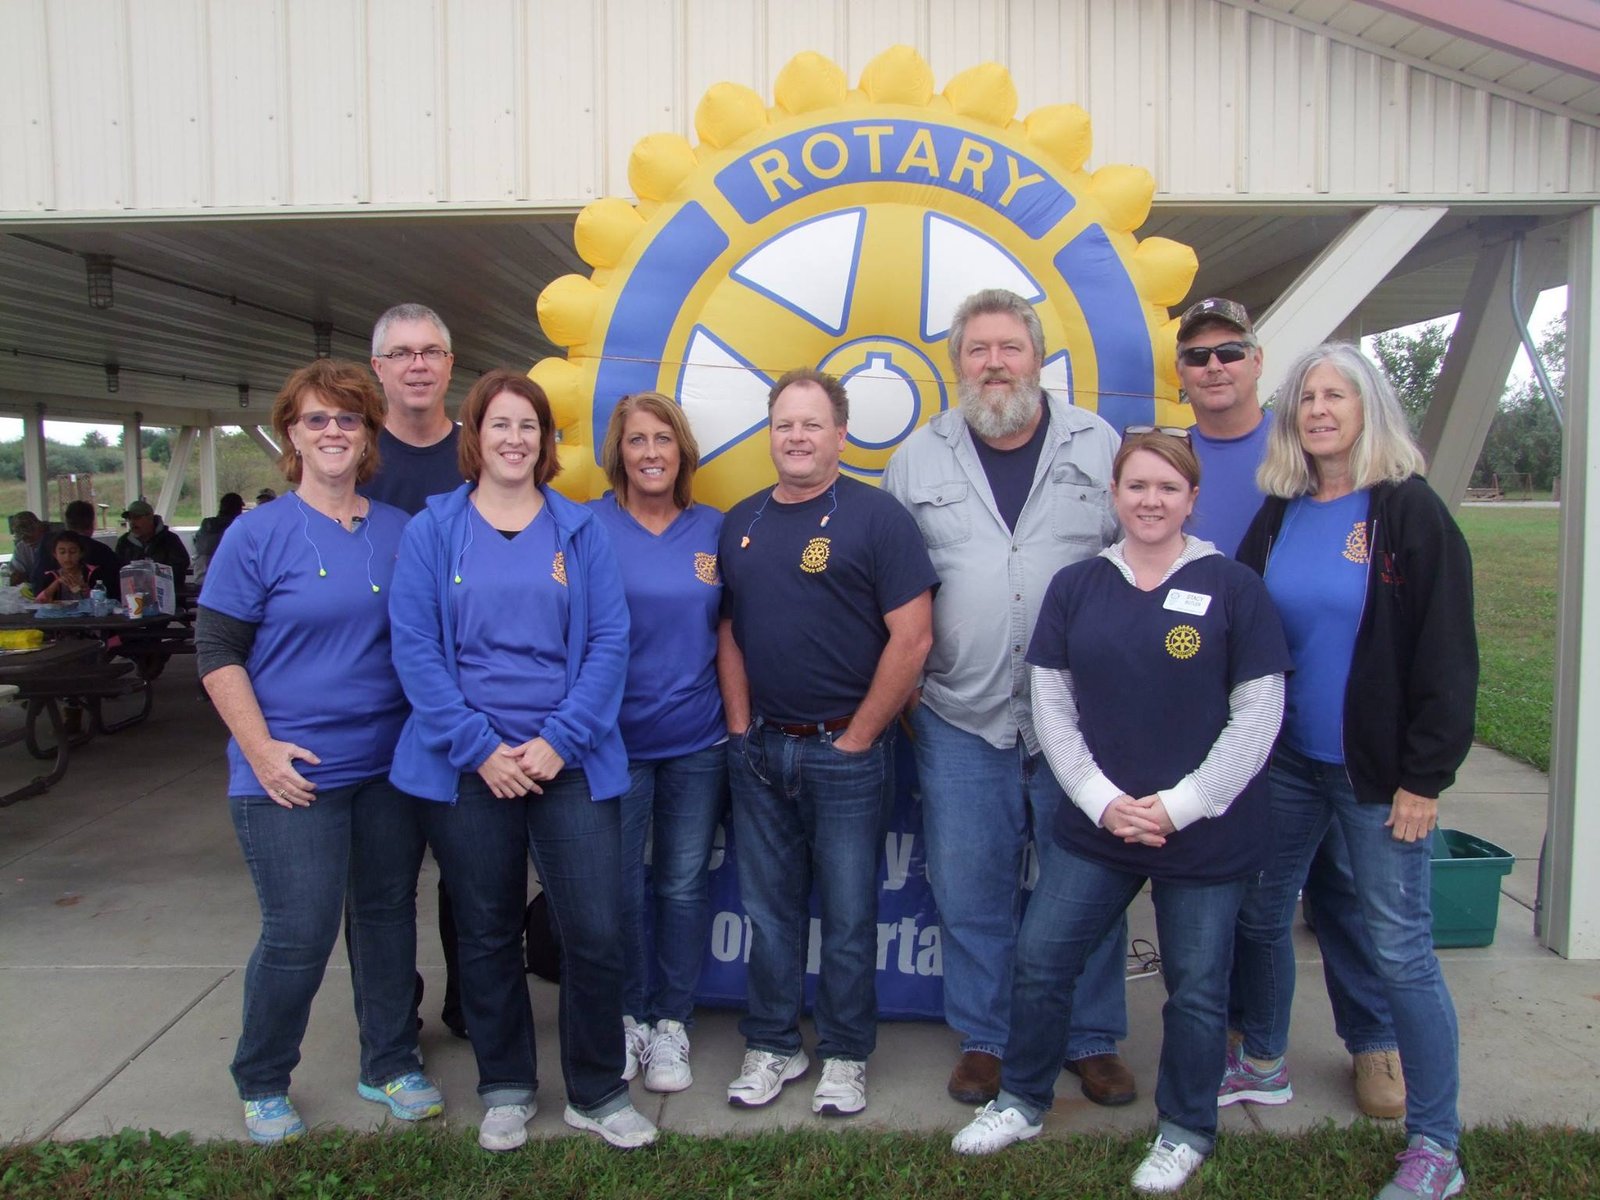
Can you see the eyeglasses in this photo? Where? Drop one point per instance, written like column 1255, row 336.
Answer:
column 318, row 421
column 1177, row 431
column 433, row 355
column 1226, row 352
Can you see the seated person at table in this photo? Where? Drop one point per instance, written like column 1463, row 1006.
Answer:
column 80, row 519
column 71, row 580
column 148, row 537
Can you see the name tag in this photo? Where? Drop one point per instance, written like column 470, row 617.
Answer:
column 1195, row 603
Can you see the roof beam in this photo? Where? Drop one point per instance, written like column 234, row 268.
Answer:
column 58, row 407
column 1337, row 281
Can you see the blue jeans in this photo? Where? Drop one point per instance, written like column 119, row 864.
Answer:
column 386, row 847
column 1392, row 890
column 980, row 805
column 1074, row 903
column 299, row 860
column 674, row 804
column 804, row 813
column 482, row 844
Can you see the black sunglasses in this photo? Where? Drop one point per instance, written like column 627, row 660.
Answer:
column 1177, row 431
column 1227, row 352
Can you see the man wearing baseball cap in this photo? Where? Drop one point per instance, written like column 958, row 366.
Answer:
column 148, row 537
column 1219, row 365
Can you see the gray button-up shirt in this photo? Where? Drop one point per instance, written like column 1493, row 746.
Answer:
column 992, row 579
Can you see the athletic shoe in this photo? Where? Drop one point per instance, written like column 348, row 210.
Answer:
column 1380, row 1087
column 635, row 1044
column 1427, row 1172
column 1241, row 1080
column 842, row 1090
column 994, row 1129
column 1167, row 1166
column 505, row 1126
column 272, row 1120
column 667, row 1066
column 411, row 1097
column 626, row 1129
column 763, row 1074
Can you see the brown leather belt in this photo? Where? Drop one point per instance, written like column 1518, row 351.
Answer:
column 811, row 729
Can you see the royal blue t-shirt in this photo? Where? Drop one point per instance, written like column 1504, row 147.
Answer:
column 1229, row 498
column 1317, row 574
column 320, row 666
column 671, row 705
column 408, row 475
column 511, row 625
column 807, row 599
column 1152, row 684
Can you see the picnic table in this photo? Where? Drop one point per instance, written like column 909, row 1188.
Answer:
column 76, row 671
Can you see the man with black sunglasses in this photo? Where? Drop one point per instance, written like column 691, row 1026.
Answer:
column 1219, row 365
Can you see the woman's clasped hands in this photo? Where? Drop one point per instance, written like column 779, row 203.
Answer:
column 1144, row 820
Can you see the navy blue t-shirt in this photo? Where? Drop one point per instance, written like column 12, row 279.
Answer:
column 1152, row 686
column 1010, row 472
column 408, row 475
column 807, row 599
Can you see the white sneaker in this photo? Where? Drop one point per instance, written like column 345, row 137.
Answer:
column 1167, row 1166
column 505, row 1126
column 667, row 1060
column 763, row 1074
column 626, row 1129
column 994, row 1129
column 842, row 1091
column 636, row 1045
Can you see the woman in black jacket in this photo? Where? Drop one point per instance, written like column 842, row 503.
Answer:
column 1373, row 581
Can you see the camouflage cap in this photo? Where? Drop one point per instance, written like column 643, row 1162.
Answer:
column 1214, row 308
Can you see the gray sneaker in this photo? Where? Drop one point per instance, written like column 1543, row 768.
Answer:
column 842, row 1091
column 505, row 1126
column 272, row 1120
column 627, row 1128
column 763, row 1075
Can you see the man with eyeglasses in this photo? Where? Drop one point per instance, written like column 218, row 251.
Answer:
column 1007, row 489
column 417, row 446
column 1219, row 366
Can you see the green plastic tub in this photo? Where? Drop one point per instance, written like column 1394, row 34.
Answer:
column 1466, row 888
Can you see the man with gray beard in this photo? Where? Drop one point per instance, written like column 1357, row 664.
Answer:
column 1006, row 490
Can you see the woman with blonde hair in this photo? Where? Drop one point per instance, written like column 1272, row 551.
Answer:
column 1373, row 581
column 672, row 723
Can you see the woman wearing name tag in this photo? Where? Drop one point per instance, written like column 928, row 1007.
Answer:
column 1374, row 583
column 293, row 647
column 672, row 723
column 511, row 639
column 1158, row 689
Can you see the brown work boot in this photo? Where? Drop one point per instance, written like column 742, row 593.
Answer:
column 1105, row 1079
column 1380, row 1088
column 976, row 1078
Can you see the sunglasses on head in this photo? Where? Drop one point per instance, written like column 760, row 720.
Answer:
column 347, row 421
column 1177, row 431
column 1226, row 352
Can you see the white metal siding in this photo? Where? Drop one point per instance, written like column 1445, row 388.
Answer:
column 126, row 106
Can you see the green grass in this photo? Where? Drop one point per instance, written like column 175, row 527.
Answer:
column 1514, row 554
column 1546, row 1163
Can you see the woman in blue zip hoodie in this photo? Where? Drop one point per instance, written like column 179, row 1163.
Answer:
column 510, row 634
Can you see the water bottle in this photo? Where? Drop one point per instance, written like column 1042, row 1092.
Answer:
column 98, row 604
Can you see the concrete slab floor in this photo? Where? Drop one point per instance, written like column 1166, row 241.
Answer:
column 126, row 916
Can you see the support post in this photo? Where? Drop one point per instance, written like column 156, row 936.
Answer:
column 132, row 459
column 208, row 471
column 35, row 482
column 173, row 486
column 1572, row 887
column 268, row 446
column 1476, row 364
column 1340, row 278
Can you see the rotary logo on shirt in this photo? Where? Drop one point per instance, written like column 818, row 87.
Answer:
column 558, row 568
column 1355, row 543
column 705, row 567
column 1183, row 641
column 814, row 558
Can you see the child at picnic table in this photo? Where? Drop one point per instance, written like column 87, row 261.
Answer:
column 71, row 579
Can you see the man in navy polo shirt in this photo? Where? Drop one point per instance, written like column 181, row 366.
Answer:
column 1219, row 365
column 827, row 617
